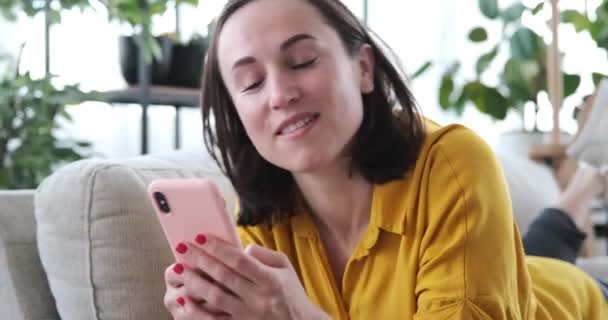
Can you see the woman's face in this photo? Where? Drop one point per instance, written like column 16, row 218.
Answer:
column 296, row 89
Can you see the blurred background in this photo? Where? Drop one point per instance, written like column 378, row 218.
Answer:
column 482, row 63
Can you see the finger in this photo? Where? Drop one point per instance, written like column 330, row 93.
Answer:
column 234, row 258
column 200, row 288
column 222, row 277
column 174, row 300
column 225, row 272
column 193, row 311
column 268, row 257
column 172, row 275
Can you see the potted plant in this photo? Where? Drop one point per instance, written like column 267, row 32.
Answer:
column 31, row 114
column 157, row 51
column 159, row 64
column 522, row 76
column 187, row 62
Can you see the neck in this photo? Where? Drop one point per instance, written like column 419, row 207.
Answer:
column 340, row 204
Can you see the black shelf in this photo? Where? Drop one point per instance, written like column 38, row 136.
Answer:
column 159, row 95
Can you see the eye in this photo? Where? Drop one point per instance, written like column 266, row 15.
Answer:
column 304, row 65
column 252, row 86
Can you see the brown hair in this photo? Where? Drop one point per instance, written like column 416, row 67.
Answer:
column 385, row 147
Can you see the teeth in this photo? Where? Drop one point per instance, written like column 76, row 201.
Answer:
column 295, row 126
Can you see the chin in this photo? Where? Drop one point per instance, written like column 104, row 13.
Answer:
column 302, row 163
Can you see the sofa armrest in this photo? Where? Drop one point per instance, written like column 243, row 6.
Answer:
column 24, row 290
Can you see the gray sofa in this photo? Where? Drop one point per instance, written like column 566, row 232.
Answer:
column 86, row 243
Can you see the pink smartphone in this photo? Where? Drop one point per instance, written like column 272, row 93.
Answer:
column 188, row 207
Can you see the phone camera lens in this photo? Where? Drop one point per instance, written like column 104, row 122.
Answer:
column 161, row 201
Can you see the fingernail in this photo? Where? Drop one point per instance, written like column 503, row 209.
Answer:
column 181, row 301
column 201, row 239
column 178, row 268
column 181, row 248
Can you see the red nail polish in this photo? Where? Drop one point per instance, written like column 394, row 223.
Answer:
column 178, row 268
column 201, row 239
column 181, row 301
column 181, row 248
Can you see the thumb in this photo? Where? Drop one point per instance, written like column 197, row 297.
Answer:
column 267, row 257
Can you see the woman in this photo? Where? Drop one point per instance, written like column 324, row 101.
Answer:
column 349, row 207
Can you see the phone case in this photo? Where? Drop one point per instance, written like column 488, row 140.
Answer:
column 195, row 207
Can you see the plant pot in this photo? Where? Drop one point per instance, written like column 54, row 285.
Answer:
column 187, row 64
column 158, row 70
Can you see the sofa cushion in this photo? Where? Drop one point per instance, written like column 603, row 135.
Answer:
column 100, row 243
column 595, row 266
column 24, row 291
column 532, row 187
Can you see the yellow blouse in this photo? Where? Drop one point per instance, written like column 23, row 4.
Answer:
column 441, row 244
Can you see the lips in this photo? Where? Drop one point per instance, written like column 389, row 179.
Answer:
column 296, row 122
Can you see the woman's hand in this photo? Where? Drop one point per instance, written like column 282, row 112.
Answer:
column 220, row 281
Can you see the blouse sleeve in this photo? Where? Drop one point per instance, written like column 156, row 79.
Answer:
column 471, row 261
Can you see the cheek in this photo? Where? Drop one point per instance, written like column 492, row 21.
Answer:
column 339, row 82
column 253, row 121
column 344, row 91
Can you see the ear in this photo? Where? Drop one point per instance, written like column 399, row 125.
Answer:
column 366, row 68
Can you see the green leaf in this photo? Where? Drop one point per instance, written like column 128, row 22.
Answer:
column 29, row 9
column 84, row 144
column 571, row 83
column 54, row 17
column 11, row 17
column 460, row 102
column 478, row 34
column 150, row 47
column 577, row 19
column 525, row 44
column 597, row 78
column 514, row 12
column 520, row 77
column 34, row 118
column 489, row 8
column 66, row 115
column 485, row 60
column 600, row 35
column 191, row 2
column 472, row 90
column 490, row 101
column 538, row 8
column 157, row 8
column 445, row 92
column 421, row 70
column 498, row 106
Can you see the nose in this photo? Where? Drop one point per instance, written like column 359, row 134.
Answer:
column 283, row 92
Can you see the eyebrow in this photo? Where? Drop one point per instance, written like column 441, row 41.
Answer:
column 284, row 46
